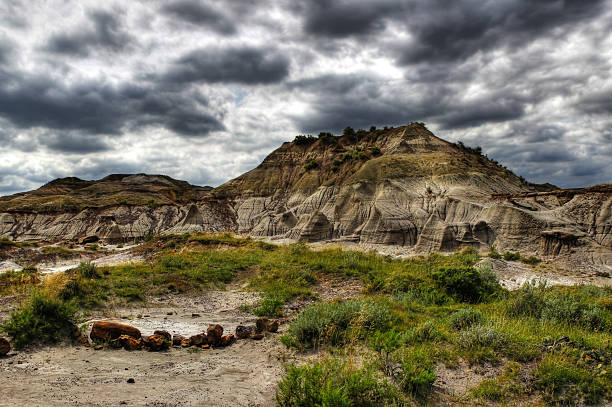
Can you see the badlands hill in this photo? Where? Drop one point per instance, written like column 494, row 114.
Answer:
column 401, row 186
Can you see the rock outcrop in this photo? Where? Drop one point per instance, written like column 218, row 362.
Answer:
column 401, row 186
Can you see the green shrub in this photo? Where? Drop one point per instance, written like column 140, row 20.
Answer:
column 493, row 253
column 304, row 139
column 332, row 383
column 467, row 284
column 332, row 322
column 531, row 260
column 311, row 165
column 566, row 384
column 481, row 336
column 43, row 319
column 558, row 305
column 424, row 295
column 509, row 256
column 418, row 373
column 428, row 332
column 88, row 270
column 375, row 151
column 465, row 318
column 270, row 307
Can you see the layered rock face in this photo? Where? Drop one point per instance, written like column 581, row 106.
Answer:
column 400, row 186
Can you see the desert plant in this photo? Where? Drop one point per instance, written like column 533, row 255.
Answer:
column 311, row 165
column 465, row 318
column 43, row 319
column 335, row 383
column 510, row 256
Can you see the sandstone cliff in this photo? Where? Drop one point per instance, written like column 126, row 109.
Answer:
column 400, row 186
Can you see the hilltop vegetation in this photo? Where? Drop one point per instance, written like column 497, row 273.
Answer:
column 414, row 320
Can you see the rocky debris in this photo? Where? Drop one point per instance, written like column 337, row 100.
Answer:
column 156, row 343
column 244, row 332
column 163, row 333
column 5, row 346
column 266, row 325
column 108, row 330
column 198, row 340
column 214, row 334
column 177, row 340
column 227, row 340
column 126, row 342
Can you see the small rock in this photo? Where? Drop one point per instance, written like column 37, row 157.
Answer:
column 130, row 343
column 157, row 343
column 170, row 313
column 165, row 334
column 5, row 346
column 198, row 340
column 214, row 334
column 195, row 315
column 177, row 340
column 257, row 336
column 98, row 347
column 243, row 332
column 227, row 340
column 131, row 380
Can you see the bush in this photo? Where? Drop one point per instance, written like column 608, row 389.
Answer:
column 332, row 383
column 43, row 319
column 493, row 253
column 467, row 284
column 418, row 373
column 509, row 256
column 479, row 336
column 311, row 165
column 465, row 318
column 270, row 307
column 531, row 260
column 88, row 270
column 332, row 322
column 565, row 384
column 348, row 131
column 555, row 304
column 304, row 140
column 375, row 151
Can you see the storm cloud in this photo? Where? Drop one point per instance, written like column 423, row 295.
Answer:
column 202, row 90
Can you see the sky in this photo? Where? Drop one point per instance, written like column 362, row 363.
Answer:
column 203, row 90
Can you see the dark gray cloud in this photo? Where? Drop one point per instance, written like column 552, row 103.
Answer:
column 104, row 31
column 341, row 19
column 596, row 103
column 247, row 65
column 74, row 143
column 201, row 14
column 95, row 107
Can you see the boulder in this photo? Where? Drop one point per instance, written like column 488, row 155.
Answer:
column 243, row 332
column 227, row 340
column 130, row 343
column 177, row 340
column 186, row 342
column 156, row 343
column 198, row 340
column 163, row 333
column 5, row 346
column 108, row 330
column 265, row 325
column 214, row 334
